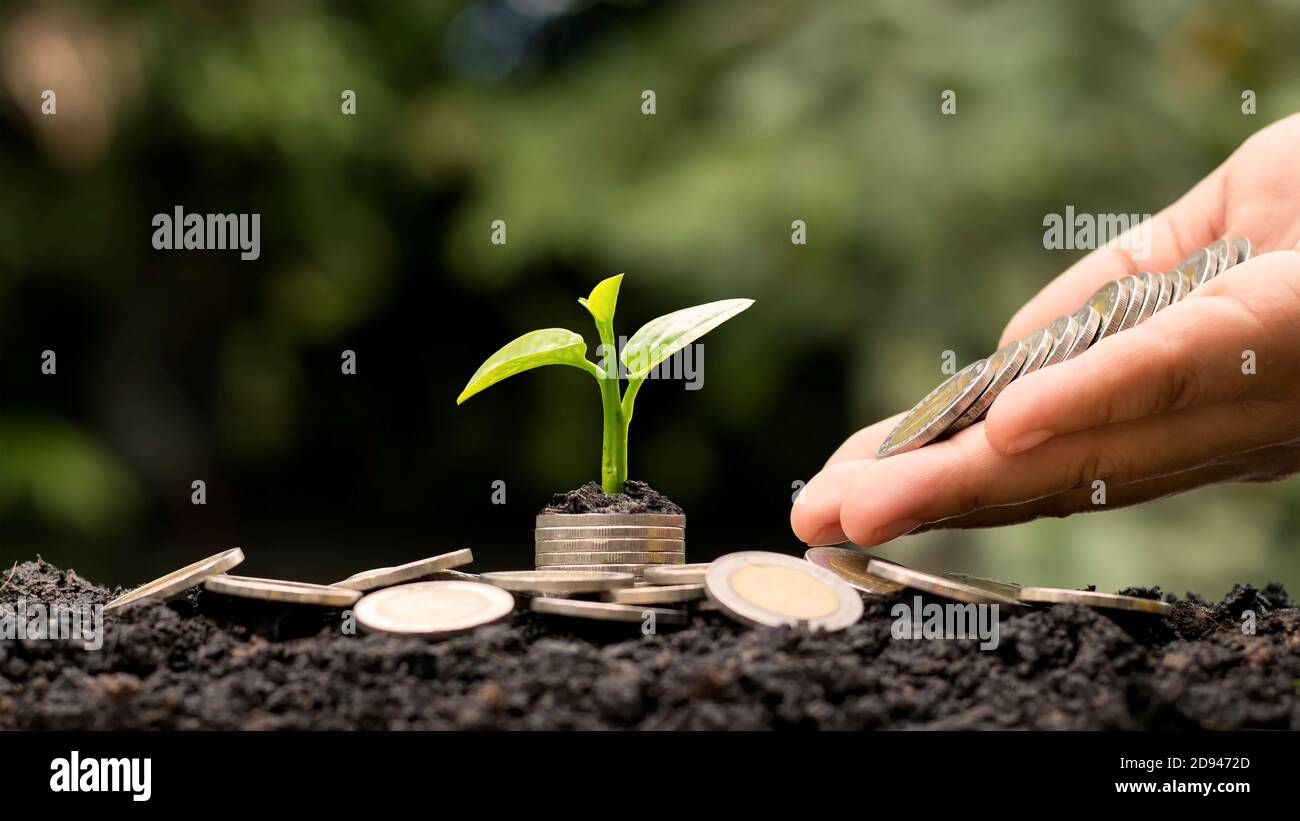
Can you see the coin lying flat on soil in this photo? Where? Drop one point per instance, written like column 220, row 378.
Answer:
column 677, row 574
column 1090, row 598
column 656, row 594
column 1008, row 589
column 605, row 611
column 776, row 590
column 389, row 576
column 433, row 609
column 937, row 585
column 178, row 581
column 851, row 566
column 558, row 581
column 279, row 590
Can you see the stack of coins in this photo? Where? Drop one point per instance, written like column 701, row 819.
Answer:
column 964, row 398
column 614, row 542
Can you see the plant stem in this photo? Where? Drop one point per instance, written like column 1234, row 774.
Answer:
column 613, row 461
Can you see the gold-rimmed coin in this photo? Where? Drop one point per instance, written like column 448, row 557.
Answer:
column 178, row 581
column 851, row 566
column 368, row 580
column 1064, row 330
column 1089, row 321
column 1089, row 598
column 1137, row 295
column 1198, row 266
column 280, row 590
column 934, row 414
column 1110, row 302
column 1005, row 365
column 1037, row 346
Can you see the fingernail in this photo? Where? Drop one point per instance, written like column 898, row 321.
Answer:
column 1025, row 441
column 828, row 536
column 900, row 528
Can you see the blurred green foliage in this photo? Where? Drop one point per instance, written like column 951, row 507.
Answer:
column 924, row 234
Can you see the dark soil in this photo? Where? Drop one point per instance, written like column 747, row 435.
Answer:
column 202, row 662
column 637, row 497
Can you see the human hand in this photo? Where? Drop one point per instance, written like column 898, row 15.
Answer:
column 1163, row 407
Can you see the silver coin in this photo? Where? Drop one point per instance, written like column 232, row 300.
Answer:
column 389, row 576
column 1089, row 321
column 544, row 560
column 1110, row 302
column 776, row 590
column 1223, row 254
column 1166, row 291
column 178, row 581
column 1243, row 248
column 606, row 611
column 934, row 414
column 1005, row 364
column 1088, row 598
column 552, row 580
column 656, row 594
column 1137, row 296
column 851, row 566
column 1199, row 266
column 677, row 574
column 611, row 546
column 1229, row 255
column 1178, row 283
column 937, row 585
column 562, row 534
column 585, row 520
column 280, row 590
column 637, row 571
column 1037, row 346
column 1065, row 330
column 1001, row 588
column 1151, row 295
column 433, row 609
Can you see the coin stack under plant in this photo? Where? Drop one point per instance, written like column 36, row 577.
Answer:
column 964, row 398
column 618, row 542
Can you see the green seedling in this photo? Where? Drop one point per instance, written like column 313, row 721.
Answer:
column 657, row 340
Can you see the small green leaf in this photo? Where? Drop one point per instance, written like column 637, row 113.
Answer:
column 549, row 346
column 600, row 303
column 660, row 338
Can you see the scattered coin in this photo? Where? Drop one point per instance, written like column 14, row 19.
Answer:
column 660, row 557
column 1001, row 588
column 939, row 586
column 776, row 590
column 1088, row 598
column 452, row 576
column 178, row 581
column 585, row 520
column 433, row 609
column 965, row 397
column 851, row 566
column 1005, row 365
column 606, row 611
column 656, row 594
column 558, row 581
column 611, row 546
column 390, row 576
column 934, row 414
column 677, row 574
column 278, row 590
column 549, row 534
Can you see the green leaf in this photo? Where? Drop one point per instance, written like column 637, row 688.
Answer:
column 660, row 338
column 549, row 346
column 600, row 303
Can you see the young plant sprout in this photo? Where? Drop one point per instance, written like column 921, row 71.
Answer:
column 657, row 340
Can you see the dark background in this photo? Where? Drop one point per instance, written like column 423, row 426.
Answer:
column 925, row 234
